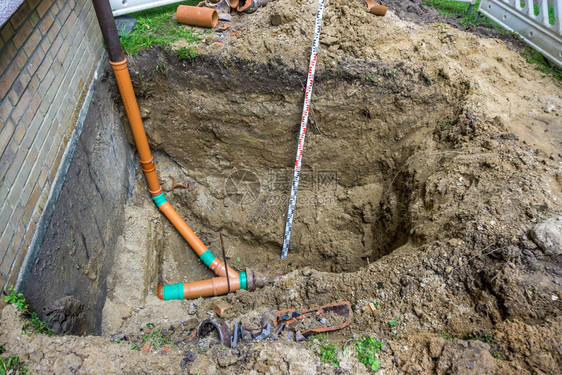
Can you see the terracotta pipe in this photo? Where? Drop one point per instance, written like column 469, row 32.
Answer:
column 375, row 8
column 197, row 16
column 250, row 6
column 234, row 3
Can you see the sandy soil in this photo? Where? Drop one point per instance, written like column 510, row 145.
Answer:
column 445, row 209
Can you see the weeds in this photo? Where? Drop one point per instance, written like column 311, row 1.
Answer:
column 328, row 352
column 541, row 63
column 13, row 366
column 156, row 339
column 484, row 337
column 498, row 354
column 156, row 27
column 367, row 348
column 394, row 323
column 32, row 323
column 186, row 53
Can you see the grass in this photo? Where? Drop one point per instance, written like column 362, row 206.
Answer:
column 156, row 27
column 327, row 351
column 157, row 339
column 13, row 365
column 367, row 349
column 457, row 10
column 32, row 323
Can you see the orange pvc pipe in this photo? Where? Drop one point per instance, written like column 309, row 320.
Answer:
column 197, row 16
column 217, row 266
column 147, row 161
column 132, row 109
column 216, row 286
column 234, row 3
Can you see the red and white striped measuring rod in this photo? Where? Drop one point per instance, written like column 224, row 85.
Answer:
column 302, row 134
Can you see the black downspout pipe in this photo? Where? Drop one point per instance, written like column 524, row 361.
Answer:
column 108, row 30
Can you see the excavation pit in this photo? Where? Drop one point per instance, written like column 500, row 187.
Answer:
column 427, row 170
column 232, row 127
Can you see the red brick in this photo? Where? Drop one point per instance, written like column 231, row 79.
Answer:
column 21, row 106
column 7, row 32
column 19, row 133
column 7, row 80
column 17, row 266
column 7, row 56
column 46, row 23
column 20, row 15
column 5, row 110
column 23, row 34
column 30, row 205
column 34, row 18
column 5, row 135
column 53, row 31
column 35, row 61
column 43, row 7
column 32, row 42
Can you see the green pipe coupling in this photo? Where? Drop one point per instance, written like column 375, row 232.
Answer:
column 172, row 291
column 243, row 280
column 207, row 257
column 160, row 199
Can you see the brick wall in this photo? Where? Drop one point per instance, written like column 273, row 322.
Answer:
column 49, row 50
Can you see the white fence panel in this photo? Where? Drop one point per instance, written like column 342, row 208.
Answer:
column 120, row 7
column 537, row 31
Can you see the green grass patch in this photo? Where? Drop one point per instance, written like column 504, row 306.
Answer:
column 458, row 10
column 12, row 365
column 327, row 351
column 542, row 64
column 367, row 348
column 156, row 27
column 157, row 339
column 32, row 323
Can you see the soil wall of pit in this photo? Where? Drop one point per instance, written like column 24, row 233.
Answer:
column 233, row 125
column 76, row 255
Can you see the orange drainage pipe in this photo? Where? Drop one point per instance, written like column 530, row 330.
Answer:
column 197, row 16
column 119, row 65
column 210, row 288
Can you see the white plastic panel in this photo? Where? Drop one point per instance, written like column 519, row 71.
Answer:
column 536, row 30
column 120, row 7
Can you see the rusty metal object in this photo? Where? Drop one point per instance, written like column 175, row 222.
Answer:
column 176, row 185
column 343, row 309
column 207, row 326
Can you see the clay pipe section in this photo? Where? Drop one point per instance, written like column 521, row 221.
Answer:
column 250, row 6
column 197, row 16
column 376, row 8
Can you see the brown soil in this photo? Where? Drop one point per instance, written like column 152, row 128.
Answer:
column 434, row 156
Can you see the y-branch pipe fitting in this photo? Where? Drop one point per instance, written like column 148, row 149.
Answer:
column 212, row 287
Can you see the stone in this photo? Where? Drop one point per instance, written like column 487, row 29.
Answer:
column 66, row 316
column 548, row 235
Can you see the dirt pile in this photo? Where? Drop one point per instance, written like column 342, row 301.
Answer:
column 437, row 158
